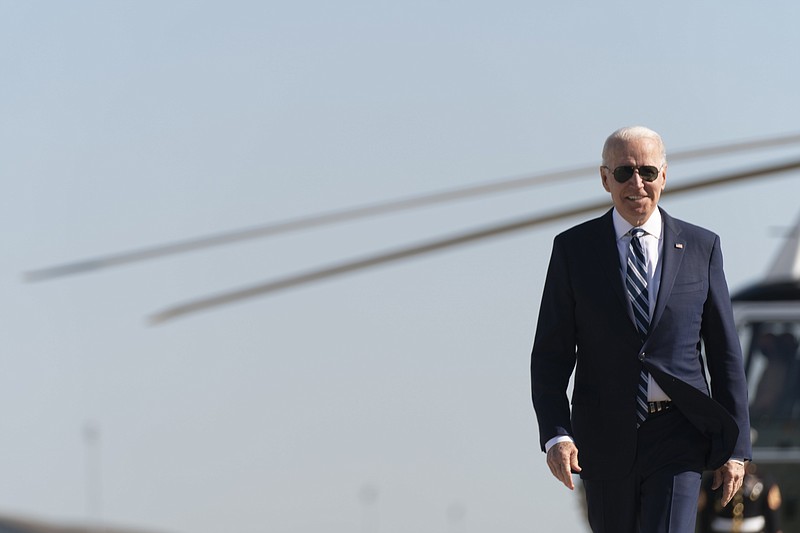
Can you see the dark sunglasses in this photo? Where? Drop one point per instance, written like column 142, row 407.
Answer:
column 624, row 173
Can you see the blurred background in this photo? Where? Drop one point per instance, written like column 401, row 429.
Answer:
column 392, row 400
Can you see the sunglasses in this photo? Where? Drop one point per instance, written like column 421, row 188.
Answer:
column 624, row 173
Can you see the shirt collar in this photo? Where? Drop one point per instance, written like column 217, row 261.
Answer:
column 652, row 226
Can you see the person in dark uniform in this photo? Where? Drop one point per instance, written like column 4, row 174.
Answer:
column 755, row 508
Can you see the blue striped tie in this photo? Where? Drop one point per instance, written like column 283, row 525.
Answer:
column 636, row 284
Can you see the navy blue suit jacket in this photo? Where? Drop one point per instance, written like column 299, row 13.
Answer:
column 586, row 325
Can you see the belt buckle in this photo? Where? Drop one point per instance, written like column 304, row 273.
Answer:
column 657, row 407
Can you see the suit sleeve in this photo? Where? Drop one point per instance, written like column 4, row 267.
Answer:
column 553, row 355
column 724, row 353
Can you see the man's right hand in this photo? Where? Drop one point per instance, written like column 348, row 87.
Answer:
column 562, row 458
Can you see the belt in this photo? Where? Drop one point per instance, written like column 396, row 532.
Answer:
column 659, row 407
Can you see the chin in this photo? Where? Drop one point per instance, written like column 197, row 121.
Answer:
column 637, row 218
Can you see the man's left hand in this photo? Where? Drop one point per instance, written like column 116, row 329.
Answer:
column 729, row 476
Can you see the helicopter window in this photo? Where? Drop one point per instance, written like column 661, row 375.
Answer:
column 772, row 363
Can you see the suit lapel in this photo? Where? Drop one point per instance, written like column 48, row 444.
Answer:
column 605, row 245
column 671, row 257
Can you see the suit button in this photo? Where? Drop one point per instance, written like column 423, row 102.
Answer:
column 641, row 356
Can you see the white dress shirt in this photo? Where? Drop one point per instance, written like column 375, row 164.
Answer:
column 653, row 244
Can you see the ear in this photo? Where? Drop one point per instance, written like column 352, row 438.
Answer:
column 604, row 179
column 664, row 177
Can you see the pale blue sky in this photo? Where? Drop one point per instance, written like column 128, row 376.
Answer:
column 130, row 123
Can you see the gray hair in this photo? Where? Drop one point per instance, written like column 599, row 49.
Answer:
column 630, row 133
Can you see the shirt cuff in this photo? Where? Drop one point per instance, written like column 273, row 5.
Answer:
column 555, row 440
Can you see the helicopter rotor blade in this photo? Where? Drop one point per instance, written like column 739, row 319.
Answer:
column 296, row 224
column 374, row 209
column 435, row 245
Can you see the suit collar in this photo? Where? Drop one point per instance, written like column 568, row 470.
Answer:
column 671, row 258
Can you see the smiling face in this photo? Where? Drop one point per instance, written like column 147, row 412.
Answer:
column 635, row 199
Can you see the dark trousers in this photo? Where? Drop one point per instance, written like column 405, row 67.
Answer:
column 660, row 494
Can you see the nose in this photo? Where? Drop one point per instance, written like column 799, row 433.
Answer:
column 637, row 178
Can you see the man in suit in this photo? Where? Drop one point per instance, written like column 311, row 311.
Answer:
column 627, row 300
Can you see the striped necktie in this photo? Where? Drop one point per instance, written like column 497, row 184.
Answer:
column 636, row 285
